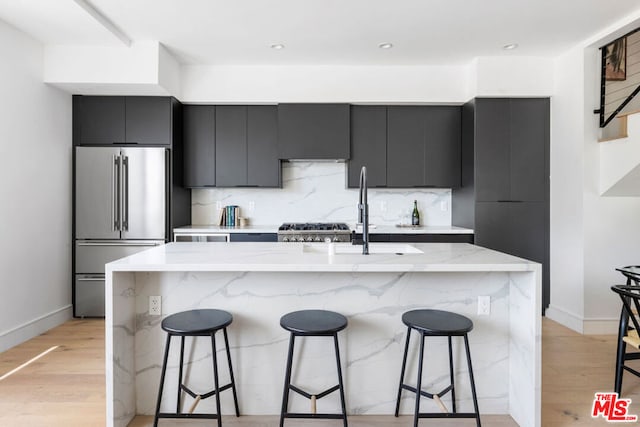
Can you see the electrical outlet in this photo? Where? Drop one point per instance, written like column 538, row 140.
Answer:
column 383, row 205
column 484, row 305
column 444, row 206
column 155, row 305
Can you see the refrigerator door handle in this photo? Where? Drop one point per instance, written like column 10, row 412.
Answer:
column 123, row 243
column 91, row 279
column 114, row 194
column 125, row 193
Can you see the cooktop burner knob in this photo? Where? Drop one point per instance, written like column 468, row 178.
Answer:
column 317, row 239
column 285, row 239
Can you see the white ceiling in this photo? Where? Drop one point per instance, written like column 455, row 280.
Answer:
column 324, row 31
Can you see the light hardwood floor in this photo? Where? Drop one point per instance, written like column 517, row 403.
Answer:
column 66, row 387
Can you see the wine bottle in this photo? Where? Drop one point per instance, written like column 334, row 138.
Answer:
column 415, row 216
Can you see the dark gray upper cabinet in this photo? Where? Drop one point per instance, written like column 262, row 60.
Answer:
column 511, row 136
column 113, row 120
column 313, row 131
column 529, row 141
column 442, row 146
column 199, row 138
column 423, row 146
column 231, row 145
column 148, row 120
column 368, row 145
column 98, row 120
column 263, row 165
column 405, row 147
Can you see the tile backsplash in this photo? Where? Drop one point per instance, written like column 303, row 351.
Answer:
column 316, row 192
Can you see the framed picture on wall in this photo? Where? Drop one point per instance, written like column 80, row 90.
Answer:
column 616, row 60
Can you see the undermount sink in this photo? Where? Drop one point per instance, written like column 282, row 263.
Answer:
column 374, row 248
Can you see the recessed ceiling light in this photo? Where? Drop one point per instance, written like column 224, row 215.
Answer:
column 385, row 45
column 277, row 46
column 510, row 46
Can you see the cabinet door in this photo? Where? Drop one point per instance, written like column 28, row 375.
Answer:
column 493, row 227
column 231, row 145
column 253, row 237
column 148, row 120
column 199, row 146
column 263, row 165
column 442, row 146
column 313, row 131
column 405, row 147
column 529, row 223
column 101, row 120
column 529, row 128
column 492, row 148
column 368, row 145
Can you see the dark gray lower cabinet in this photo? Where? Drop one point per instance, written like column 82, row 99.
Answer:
column 517, row 228
column 253, row 237
column 416, row 238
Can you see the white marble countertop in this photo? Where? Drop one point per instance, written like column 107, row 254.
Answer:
column 374, row 229
column 299, row 257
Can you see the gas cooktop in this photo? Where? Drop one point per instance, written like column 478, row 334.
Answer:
column 314, row 226
column 314, row 232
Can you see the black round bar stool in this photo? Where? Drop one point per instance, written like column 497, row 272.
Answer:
column 437, row 323
column 632, row 274
column 197, row 323
column 312, row 323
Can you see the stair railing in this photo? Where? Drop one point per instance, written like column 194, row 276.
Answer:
column 620, row 77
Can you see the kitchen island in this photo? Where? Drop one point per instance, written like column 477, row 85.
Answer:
column 259, row 282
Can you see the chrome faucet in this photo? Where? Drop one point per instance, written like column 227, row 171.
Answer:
column 363, row 211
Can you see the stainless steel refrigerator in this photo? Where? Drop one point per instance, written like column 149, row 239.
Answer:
column 120, row 209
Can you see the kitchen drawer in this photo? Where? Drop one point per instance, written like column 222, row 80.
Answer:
column 91, row 256
column 200, row 237
column 254, row 237
column 89, row 297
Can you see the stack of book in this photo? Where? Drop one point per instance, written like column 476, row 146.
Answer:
column 229, row 216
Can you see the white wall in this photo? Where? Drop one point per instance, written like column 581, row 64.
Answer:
column 354, row 84
column 567, row 171
column 35, row 220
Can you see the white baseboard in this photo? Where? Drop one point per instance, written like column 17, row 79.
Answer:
column 35, row 327
column 582, row 325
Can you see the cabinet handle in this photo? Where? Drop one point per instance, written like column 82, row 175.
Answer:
column 510, row 201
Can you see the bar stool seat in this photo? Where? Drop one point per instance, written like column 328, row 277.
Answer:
column 316, row 323
column 196, row 323
column 437, row 323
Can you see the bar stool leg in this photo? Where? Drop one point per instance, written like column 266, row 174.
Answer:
column 453, row 385
column 180, row 373
column 622, row 348
column 233, row 381
column 215, row 377
column 287, row 381
column 164, row 370
column 344, row 407
column 404, row 365
column 419, row 384
column 473, row 384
